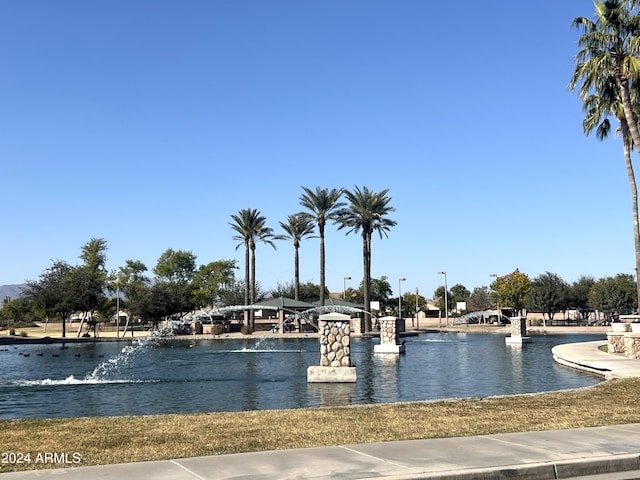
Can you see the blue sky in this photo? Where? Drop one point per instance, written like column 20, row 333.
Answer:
column 149, row 122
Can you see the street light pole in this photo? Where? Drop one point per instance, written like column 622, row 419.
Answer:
column 117, row 308
column 498, row 312
column 400, row 280
column 344, row 287
column 446, row 299
column 417, row 319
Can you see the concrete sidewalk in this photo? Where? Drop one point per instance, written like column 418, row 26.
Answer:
column 535, row 455
column 586, row 356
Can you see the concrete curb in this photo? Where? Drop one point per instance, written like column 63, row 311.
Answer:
column 541, row 471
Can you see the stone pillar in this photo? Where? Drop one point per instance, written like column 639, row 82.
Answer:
column 390, row 328
column 281, row 321
column 357, row 326
column 632, row 345
column 615, row 342
column 518, row 331
column 335, row 351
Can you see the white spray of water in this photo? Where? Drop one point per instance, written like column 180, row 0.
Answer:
column 108, row 369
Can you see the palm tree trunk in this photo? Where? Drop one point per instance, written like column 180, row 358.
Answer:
column 247, row 279
column 322, row 275
column 632, row 124
column 296, row 274
column 252, row 313
column 634, row 198
column 366, row 262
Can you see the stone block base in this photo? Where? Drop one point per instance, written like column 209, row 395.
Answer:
column 388, row 348
column 517, row 340
column 317, row 374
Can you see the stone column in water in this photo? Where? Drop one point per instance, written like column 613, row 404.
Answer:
column 389, row 336
column 518, row 331
column 335, row 351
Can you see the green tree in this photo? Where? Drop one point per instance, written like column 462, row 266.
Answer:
column 439, row 293
column 380, row 291
column 367, row 213
column 579, row 295
column 250, row 227
column 176, row 268
column 479, row 300
column 323, row 205
column 607, row 68
column 130, row 280
column 155, row 302
column 511, row 290
column 459, row 293
column 298, row 227
column 409, row 300
column 89, row 280
column 308, row 291
column 614, row 295
column 52, row 293
column 234, row 294
column 210, row 280
column 17, row 310
column 549, row 294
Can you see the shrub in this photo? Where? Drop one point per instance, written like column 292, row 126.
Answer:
column 245, row 330
column 217, row 329
column 24, row 334
column 12, row 331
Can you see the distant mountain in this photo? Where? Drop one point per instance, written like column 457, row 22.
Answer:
column 11, row 291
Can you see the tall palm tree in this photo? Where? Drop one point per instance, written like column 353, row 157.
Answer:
column 322, row 205
column 607, row 70
column 298, row 227
column 250, row 227
column 609, row 46
column 367, row 213
column 598, row 108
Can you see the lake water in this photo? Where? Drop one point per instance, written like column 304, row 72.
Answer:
column 183, row 376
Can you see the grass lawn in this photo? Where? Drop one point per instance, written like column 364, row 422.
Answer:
column 106, row 440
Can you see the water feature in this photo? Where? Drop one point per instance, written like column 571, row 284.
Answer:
column 203, row 375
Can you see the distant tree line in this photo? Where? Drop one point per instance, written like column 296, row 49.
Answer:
column 548, row 294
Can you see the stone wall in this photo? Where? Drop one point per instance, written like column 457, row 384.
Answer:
column 335, row 343
column 632, row 345
column 626, row 343
column 615, row 342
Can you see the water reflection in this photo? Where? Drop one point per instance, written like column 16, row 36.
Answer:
column 332, row 394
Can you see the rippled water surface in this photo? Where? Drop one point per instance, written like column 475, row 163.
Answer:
column 255, row 374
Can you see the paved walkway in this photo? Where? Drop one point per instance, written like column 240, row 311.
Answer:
column 611, row 452
column 534, row 455
column 587, row 356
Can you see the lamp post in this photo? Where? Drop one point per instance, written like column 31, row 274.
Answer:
column 117, row 308
column 446, row 299
column 417, row 319
column 344, row 287
column 400, row 280
column 498, row 313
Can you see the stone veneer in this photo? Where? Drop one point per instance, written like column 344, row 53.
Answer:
column 627, row 343
column 518, row 331
column 335, row 351
column 389, row 336
column 615, row 342
column 335, row 343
